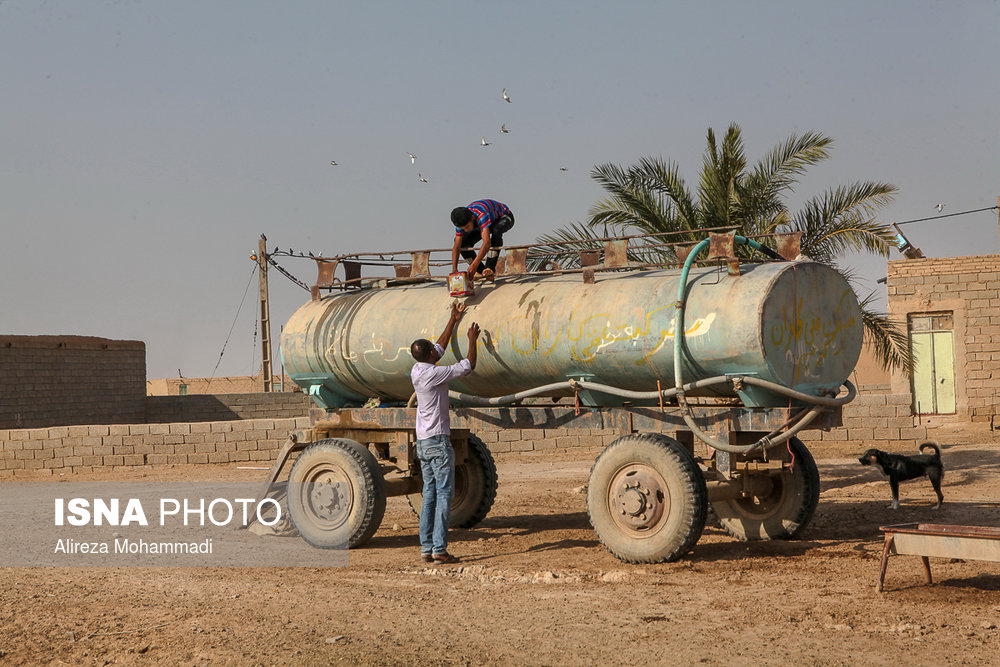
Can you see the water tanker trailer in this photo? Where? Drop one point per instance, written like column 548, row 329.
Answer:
column 707, row 373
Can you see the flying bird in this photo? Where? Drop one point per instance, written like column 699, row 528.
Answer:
column 421, row 177
column 504, row 130
column 939, row 207
column 563, row 169
column 484, row 142
column 505, row 96
column 413, row 158
column 333, row 163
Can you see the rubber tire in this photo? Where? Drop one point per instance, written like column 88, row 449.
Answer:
column 475, row 487
column 353, row 461
column 685, row 486
column 799, row 496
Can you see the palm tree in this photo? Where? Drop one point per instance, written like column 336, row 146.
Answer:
column 651, row 197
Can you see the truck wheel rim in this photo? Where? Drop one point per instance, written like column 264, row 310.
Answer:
column 327, row 494
column 638, row 500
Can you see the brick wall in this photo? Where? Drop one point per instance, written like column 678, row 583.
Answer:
column 128, row 446
column 79, row 449
column 876, row 418
column 226, row 407
column 969, row 287
column 57, row 380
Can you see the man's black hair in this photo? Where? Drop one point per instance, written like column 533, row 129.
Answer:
column 421, row 349
column 460, row 216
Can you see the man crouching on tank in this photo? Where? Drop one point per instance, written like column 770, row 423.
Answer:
column 434, row 450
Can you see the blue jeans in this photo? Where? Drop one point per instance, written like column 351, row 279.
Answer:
column 437, row 465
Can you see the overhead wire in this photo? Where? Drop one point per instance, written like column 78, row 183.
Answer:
column 948, row 215
column 286, row 273
column 233, row 326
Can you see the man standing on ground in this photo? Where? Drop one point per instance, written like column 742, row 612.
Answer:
column 486, row 220
column 434, row 450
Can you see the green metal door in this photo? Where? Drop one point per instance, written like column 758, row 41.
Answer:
column 933, row 345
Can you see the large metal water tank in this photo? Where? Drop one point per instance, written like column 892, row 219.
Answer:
column 795, row 323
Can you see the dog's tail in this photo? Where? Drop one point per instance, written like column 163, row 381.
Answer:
column 931, row 445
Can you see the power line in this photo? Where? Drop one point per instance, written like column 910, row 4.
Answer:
column 242, row 301
column 286, row 273
column 949, row 215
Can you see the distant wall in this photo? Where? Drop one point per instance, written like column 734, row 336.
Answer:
column 876, row 418
column 239, row 384
column 128, row 446
column 969, row 289
column 57, row 380
column 226, row 407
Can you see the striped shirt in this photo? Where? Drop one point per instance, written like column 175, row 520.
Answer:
column 485, row 212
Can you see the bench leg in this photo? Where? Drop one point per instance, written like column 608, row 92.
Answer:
column 927, row 569
column 885, row 562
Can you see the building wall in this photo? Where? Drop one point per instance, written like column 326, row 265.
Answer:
column 969, row 288
column 226, row 407
column 241, row 384
column 58, row 380
column 875, row 419
column 80, row 449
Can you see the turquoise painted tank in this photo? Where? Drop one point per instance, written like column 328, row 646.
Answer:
column 794, row 323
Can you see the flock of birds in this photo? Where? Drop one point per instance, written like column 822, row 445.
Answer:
column 482, row 142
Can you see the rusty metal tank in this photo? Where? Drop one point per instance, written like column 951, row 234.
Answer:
column 794, row 323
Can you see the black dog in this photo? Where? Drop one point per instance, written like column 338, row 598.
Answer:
column 900, row 468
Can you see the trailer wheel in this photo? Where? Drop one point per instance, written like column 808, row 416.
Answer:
column 784, row 506
column 475, row 487
column 647, row 499
column 336, row 494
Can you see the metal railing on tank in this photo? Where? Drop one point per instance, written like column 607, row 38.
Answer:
column 371, row 270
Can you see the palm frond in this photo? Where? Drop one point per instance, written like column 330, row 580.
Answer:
column 887, row 338
column 843, row 220
column 563, row 246
column 778, row 171
column 722, row 171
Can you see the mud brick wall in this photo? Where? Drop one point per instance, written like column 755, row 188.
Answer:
column 226, row 407
column 57, row 380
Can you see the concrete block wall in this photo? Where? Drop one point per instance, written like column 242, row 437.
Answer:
column 872, row 420
column 80, row 449
column 59, row 380
column 528, row 440
column 970, row 288
column 876, row 418
column 226, row 407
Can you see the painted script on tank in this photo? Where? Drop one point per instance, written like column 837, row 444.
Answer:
column 810, row 338
column 589, row 334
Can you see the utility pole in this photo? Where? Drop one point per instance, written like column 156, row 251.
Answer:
column 265, row 315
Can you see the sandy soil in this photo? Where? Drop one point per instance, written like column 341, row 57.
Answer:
column 536, row 587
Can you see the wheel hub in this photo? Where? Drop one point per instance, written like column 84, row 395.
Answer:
column 330, row 497
column 327, row 498
column 637, row 498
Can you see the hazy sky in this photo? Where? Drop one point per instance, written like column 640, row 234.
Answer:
column 145, row 146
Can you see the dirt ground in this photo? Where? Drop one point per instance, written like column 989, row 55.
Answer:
column 536, row 587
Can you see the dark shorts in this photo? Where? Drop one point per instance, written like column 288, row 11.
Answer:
column 497, row 230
